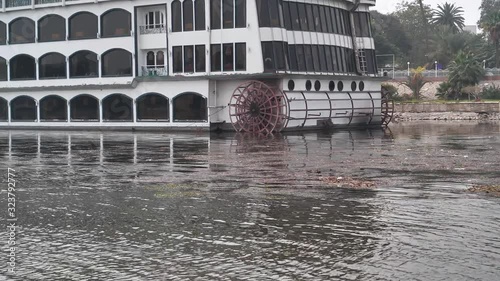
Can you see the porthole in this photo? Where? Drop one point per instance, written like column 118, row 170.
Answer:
column 331, row 86
column 308, row 85
column 291, row 85
column 354, row 86
column 317, row 85
column 340, row 86
column 361, row 86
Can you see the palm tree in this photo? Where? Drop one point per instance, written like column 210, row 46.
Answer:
column 424, row 20
column 449, row 15
column 465, row 70
column 492, row 27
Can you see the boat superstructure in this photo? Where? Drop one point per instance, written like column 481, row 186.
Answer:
column 245, row 65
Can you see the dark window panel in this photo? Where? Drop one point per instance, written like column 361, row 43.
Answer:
column 83, row 64
column 322, row 16
column 187, row 9
column 215, row 16
column 117, row 107
column 317, row 19
column 268, row 56
column 263, row 13
column 310, row 18
column 286, row 15
column 215, row 57
column 83, row 26
column 274, row 13
column 176, row 16
column 3, row 33
column 335, row 24
column 322, row 58
column 160, row 59
column 53, row 108
column 22, row 67
column 200, row 58
column 328, row 58
column 279, row 56
column 116, row 23
column 241, row 56
column 348, row 23
column 51, row 28
column 228, row 13
column 199, row 13
column 22, row 30
column 52, row 65
column 328, row 15
column 315, row 53
column 339, row 21
column 3, row 69
column 3, row 109
column 188, row 59
column 23, row 108
column 228, row 57
column 357, row 25
column 292, row 56
column 117, row 63
column 301, row 58
column 343, row 59
column 302, row 16
column 335, row 59
column 150, row 59
column 190, row 107
column 152, row 106
column 309, row 58
column 287, row 60
column 294, row 16
column 241, row 13
column 84, row 108
column 177, row 59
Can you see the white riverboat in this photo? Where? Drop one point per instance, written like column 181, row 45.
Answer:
column 245, row 65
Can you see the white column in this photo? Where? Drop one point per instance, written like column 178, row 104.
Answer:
column 8, row 67
column 100, row 111
column 37, row 69
column 37, row 103
column 171, row 110
column 134, row 110
column 8, row 112
column 68, row 111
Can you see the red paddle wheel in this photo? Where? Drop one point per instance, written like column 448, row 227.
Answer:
column 256, row 107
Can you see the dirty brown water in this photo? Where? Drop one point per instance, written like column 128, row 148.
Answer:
column 151, row 206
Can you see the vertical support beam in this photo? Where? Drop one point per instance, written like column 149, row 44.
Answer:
column 100, row 111
column 134, row 111
column 171, row 110
column 37, row 103
column 68, row 111
column 9, row 114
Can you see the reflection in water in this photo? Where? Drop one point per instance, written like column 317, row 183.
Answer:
column 119, row 206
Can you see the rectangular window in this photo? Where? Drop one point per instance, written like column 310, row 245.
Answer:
column 328, row 58
column 228, row 57
column 309, row 58
column 228, row 13
column 286, row 15
column 335, row 61
column 343, row 59
column 199, row 10
column 292, row 56
column 241, row 13
column 322, row 17
column 294, row 16
column 310, row 18
column 315, row 53
column 268, row 56
column 357, row 25
column 177, row 59
column 241, row 56
column 215, row 19
column 317, row 23
column 263, row 13
column 348, row 23
column 322, row 58
column 334, row 20
column 279, row 56
column 301, row 58
column 329, row 27
column 339, row 21
column 188, row 59
column 200, row 58
column 302, row 16
column 215, row 58
column 274, row 13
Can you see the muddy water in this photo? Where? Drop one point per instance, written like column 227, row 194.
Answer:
column 123, row 206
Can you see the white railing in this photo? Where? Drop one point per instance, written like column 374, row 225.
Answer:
column 35, row 3
column 152, row 71
column 152, row 29
column 433, row 73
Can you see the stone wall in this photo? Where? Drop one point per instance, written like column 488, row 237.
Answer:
column 474, row 107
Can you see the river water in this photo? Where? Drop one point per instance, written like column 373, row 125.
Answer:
column 152, row 206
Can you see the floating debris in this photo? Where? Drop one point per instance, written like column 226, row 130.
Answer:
column 489, row 189
column 348, row 182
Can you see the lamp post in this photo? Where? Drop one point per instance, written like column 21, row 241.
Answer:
column 436, row 66
column 484, row 64
column 408, row 68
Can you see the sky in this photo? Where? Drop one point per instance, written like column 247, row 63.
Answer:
column 471, row 7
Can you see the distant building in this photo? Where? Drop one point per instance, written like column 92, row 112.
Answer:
column 471, row 28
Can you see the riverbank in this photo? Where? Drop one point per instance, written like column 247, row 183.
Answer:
column 445, row 116
column 446, row 111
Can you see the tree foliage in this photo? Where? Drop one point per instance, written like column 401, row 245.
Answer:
column 465, row 70
column 449, row 15
column 491, row 25
column 416, row 82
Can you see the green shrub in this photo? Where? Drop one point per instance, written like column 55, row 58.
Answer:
column 491, row 92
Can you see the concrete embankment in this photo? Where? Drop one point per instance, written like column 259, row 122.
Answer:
column 447, row 111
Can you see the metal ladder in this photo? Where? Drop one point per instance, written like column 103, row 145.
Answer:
column 362, row 61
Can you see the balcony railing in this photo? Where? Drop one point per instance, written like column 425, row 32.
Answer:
column 152, row 71
column 152, row 29
column 29, row 3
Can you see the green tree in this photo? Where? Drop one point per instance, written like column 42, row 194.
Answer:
column 488, row 7
column 491, row 24
column 449, row 15
column 416, row 82
column 465, row 71
column 389, row 35
column 445, row 45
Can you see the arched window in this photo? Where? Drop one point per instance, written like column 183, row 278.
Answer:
column 3, row 33
column 187, row 8
column 150, row 59
column 53, row 108
column 52, row 65
column 152, row 107
column 3, row 69
column 22, row 30
column 176, row 16
column 117, row 107
column 199, row 12
column 22, row 67
column 83, row 25
column 83, row 64
column 190, row 107
column 155, row 19
column 117, row 62
column 84, row 108
column 51, row 28
column 23, row 108
column 116, row 23
column 4, row 116
column 160, row 59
